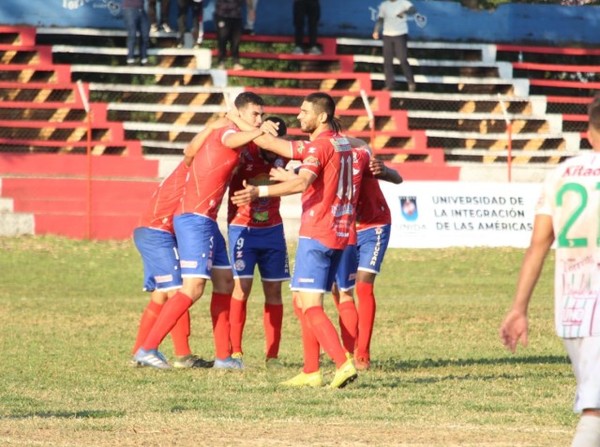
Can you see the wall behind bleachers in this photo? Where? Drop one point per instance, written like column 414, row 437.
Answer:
column 446, row 20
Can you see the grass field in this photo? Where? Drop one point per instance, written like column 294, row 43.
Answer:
column 69, row 311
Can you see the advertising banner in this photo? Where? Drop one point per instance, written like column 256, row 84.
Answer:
column 460, row 214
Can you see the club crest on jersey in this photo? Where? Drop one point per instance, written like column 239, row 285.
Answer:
column 279, row 163
column 239, row 265
column 311, row 161
column 408, row 206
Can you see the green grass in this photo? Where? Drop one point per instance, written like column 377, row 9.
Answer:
column 69, row 313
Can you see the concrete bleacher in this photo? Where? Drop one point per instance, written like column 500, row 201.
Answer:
column 44, row 162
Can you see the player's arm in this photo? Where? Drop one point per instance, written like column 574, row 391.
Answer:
column 514, row 327
column 267, row 139
column 408, row 12
column 382, row 172
column 298, row 184
column 194, row 146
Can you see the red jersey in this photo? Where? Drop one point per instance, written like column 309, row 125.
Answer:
column 371, row 210
column 210, row 174
column 361, row 156
column 254, row 169
column 165, row 201
column 327, row 211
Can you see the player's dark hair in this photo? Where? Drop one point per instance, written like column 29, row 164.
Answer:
column 594, row 113
column 323, row 103
column 282, row 130
column 245, row 98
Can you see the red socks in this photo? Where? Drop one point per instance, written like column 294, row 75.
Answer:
column 326, row 334
column 170, row 313
column 348, row 317
column 366, row 318
column 181, row 335
column 219, row 311
column 310, row 344
column 272, row 322
column 147, row 321
column 237, row 320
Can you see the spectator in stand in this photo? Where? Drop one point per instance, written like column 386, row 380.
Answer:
column 251, row 6
column 136, row 21
column 256, row 238
column 229, row 25
column 306, row 11
column 161, row 22
column 392, row 17
column 197, row 10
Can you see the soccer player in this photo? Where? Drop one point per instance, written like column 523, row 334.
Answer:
column 256, row 237
column 325, row 181
column 157, row 245
column 362, row 258
column 203, row 254
column 568, row 213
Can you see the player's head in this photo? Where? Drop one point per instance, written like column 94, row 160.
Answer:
column 281, row 132
column 593, row 133
column 282, row 129
column 250, row 107
column 318, row 109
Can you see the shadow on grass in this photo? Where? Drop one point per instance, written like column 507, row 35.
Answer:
column 84, row 414
column 395, row 365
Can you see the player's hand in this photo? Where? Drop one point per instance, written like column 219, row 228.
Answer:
column 270, row 127
column 375, row 35
column 281, row 174
column 514, row 328
column 376, row 166
column 246, row 195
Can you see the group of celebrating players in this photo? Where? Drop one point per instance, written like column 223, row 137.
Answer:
column 344, row 232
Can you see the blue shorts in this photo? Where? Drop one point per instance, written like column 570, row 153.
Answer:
column 345, row 277
column 315, row 267
column 201, row 245
column 160, row 258
column 372, row 244
column 263, row 246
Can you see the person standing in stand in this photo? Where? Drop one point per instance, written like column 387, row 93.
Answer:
column 392, row 18
column 136, row 21
column 567, row 213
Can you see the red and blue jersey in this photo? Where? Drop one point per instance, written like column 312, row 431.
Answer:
column 327, row 210
column 254, row 168
column 209, row 175
column 165, row 201
column 372, row 209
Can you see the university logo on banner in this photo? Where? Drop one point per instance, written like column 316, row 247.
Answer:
column 408, row 207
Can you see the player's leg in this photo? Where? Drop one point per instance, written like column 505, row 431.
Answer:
column 343, row 295
column 311, row 374
column 372, row 245
column 237, row 314
column 584, row 354
column 272, row 318
column 388, row 62
column 220, row 304
column 401, row 52
column 273, row 265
